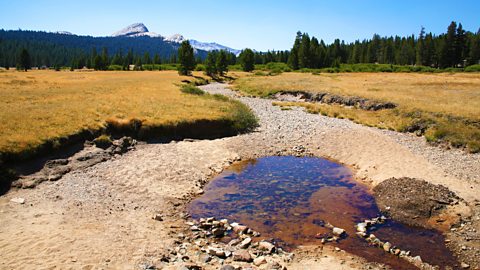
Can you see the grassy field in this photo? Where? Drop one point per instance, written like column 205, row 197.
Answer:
column 447, row 104
column 42, row 106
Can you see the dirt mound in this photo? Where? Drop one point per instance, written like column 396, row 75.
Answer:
column 413, row 201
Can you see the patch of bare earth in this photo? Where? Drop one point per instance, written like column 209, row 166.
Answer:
column 101, row 216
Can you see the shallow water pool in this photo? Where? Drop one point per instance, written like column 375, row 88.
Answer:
column 291, row 199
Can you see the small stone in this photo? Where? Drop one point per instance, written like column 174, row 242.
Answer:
column 240, row 229
column 218, row 232
column 387, row 246
column 245, row 243
column 464, row 247
column 266, row 246
column 227, row 267
column 362, row 227
column 337, row 249
column 259, row 260
column 242, row 256
column 338, row 231
column 18, row 200
column 216, row 252
column 157, row 217
column 194, row 228
column 464, row 265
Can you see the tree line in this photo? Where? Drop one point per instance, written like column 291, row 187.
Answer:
column 60, row 50
column 455, row 48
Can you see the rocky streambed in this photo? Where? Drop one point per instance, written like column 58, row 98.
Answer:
column 100, row 216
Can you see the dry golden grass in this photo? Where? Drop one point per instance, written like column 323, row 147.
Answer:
column 455, row 94
column 40, row 106
column 448, row 104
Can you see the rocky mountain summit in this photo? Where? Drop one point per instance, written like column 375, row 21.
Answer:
column 140, row 30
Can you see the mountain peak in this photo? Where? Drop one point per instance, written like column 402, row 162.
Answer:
column 175, row 38
column 135, row 29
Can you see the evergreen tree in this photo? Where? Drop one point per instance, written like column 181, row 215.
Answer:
column 247, row 59
column 460, row 45
column 24, row 60
column 474, row 55
column 146, row 58
column 448, row 50
column 221, row 63
column 420, row 50
column 105, row 59
column 138, row 64
column 156, row 59
column 304, row 52
column 210, row 64
column 186, row 58
column 293, row 58
column 98, row 63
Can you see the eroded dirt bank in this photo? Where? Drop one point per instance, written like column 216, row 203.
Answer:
column 101, row 217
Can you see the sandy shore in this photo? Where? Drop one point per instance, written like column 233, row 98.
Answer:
column 100, row 217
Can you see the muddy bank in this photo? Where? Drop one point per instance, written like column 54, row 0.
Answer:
column 328, row 98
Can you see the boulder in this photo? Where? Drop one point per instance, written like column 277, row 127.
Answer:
column 266, row 247
column 242, row 255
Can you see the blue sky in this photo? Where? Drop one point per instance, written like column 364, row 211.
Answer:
column 261, row 25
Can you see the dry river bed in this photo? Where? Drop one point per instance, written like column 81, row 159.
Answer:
column 100, row 217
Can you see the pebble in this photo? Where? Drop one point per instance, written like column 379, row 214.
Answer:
column 18, row 200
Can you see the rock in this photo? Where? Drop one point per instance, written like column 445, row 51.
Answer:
column 259, row 260
column 240, row 229
column 227, row 267
column 157, row 217
column 242, row 256
column 192, row 266
column 18, row 200
column 387, row 246
column 245, row 243
column 338, row 231
column 218, row 232
column 362, row 227
column 216, row 252
column 266, row 246
column 464, row 265
column 337, row 249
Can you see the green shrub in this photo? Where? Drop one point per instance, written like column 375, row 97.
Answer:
column 191, row 89
column 115, row 67
column 472, row 68
column 200, row 67
column 244, row 119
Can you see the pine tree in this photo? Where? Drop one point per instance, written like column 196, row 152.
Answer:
column 293, row 58
column 156, row 59
column 105, row 59
column 97, row 63
column 460, row 45
column 221, row 63
column 138, row 64
column 210, row 64
column 448, row 50
column 247, row 59
column 420, row 50
column 146, row 58
column 24, row 60
column 474, row 57
column 304, row 52
column 186, row 58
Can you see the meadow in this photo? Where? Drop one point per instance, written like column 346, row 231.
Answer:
column 445, row 107
column 42, row 107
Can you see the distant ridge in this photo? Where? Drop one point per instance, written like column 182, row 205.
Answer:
column 140, row 30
